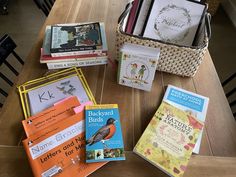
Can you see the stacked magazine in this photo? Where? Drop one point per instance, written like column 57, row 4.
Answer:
column 73, row 45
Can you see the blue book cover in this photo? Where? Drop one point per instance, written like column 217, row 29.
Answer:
column 192, row 103
column 104, row 140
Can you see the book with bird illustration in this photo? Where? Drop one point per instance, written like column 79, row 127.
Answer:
column 169, row 139
column 59, row 150
column 104, row 140
column 192, row 103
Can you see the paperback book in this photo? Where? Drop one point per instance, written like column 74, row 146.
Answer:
column 104, row 140
column 169, row 139
column 137, row 66
column 192, row 103
column 75, row 38
column 59, row 150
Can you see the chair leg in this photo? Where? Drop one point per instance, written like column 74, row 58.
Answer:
column 1, row 105
column 11, row 68
column 17, row 57
column 6, row 79
column 3, row 92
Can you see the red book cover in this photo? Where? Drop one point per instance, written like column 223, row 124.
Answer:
column 131, row 19
column 48, row 58
column 59, row 150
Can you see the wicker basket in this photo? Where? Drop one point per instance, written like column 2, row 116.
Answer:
column 176, row 59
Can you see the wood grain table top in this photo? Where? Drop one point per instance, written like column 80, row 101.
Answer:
column 136, row 107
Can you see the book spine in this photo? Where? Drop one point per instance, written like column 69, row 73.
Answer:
column 131, row 18
column 88, row 62
column 60, row 54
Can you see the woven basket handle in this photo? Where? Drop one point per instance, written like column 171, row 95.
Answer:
column 124, row 13
column 208, row 25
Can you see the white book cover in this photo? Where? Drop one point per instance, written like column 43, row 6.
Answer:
column 195, row 104
column 142, row 17
column 44, row 97
column 137, row 66
column 78, row 63
column 174, row 21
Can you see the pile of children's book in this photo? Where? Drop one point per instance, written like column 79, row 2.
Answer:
column 67, row 135
column 68, row 45
column 174, row 132
column 172, row 21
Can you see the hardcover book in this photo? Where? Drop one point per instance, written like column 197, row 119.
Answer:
column 169, row 139
column 174, row 21
column 59, row 150
column 92, row 61
column 75, row 38
column 141, row 16
column 47, row 56
column 192, row 103
column 104, row 140
column 137, row 66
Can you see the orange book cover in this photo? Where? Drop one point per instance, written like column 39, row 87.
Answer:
column 50, row 116
column 60, row 150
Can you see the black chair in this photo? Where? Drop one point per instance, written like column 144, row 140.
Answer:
column 7, row 46
column 230, row 82
column 45, row 5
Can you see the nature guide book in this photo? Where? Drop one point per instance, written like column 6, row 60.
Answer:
column 174, row 21
column 50, row 116
column 169, row 139
column 40, row 94
column 104, row 140
column 75, row 38
column 137, row 66
column 192, row 103
column 59, row 150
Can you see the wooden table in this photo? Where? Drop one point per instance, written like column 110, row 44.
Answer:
column 136, row 107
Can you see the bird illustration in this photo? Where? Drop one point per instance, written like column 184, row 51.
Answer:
column 104, row 133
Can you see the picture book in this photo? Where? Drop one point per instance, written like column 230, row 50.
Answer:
column 39, row 94
column 50, row 116
column 174, row 21
column 92, row 61
column 59, row 150
column 137, row 66
column 104, row 140
column 192, row 103
column 169, row 139
column 132, row 15
column 75, row 38
column 47, row 56
column 141, row 16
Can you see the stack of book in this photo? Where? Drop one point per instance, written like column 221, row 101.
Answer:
column 58, row 142
column 171, row 21
column 174, row 132
column 72, row 45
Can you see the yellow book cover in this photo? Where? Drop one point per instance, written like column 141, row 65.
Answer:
column 169, row 139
